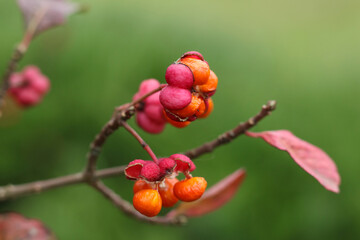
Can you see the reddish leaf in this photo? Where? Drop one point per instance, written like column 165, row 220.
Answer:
column 50, row 13
column 13, row 226
column 311, row 158
column 214, row 198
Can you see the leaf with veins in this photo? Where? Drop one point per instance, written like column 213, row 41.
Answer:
column 311, row 158
column 50, row 13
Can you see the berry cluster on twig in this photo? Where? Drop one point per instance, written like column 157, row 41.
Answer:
column 186, row 97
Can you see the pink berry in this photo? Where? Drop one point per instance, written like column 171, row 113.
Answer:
column 148, row 85
column 136, row 161
column 153, row 99
column 31, row 72
column 147, row 124
column 183, row 163
column 179, row 75
column 16, row 80
column 193, row 54
column 40, row 84
column 150, row 117
column 29, row 86
column 27, row 97
column 167, row 166
column 155, row 113
column 150, row 171
column 132, row 171
column 175, row 98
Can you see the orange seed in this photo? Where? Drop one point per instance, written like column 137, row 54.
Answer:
column 191, row 189
column 148, row 202
column 199, row 68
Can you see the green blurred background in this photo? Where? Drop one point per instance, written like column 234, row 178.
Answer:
column 304, row 54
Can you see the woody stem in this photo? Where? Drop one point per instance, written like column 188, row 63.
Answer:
column 141, row 141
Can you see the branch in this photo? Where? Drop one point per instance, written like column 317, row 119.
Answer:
column 127, row 208
column 121, row 114
column 233, row 133
column 15, row 191
column 141, row 141
column 16, row 57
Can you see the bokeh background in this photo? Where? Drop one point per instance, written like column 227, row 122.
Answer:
column 304, row 54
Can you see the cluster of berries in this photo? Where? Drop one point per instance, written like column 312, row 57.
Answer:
column 191, row 83
column 187, row 96
column 149, row 115
column 29, row 86
column 157, row 185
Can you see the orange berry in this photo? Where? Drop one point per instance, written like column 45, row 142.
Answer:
column 199, row 68
column 167, row 193
column 209, row 109
column 148, row 202
column 211, row 83
column 202, row 108
column 190, row 109
column 141, row 184
column 176, row 123
column 191, row 189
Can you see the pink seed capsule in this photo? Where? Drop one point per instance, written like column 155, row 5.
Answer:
column 179, row 75
column 175, row 98
column 40, row 84
column 31, row 72
column 147, row 124
column 155, row 113
column 167, row 166
column 148, row 85
column 150, row 171
column 153, row 99
column 16, row 80
column 27, row 97
column 193, row 54
column 132, row 171
column 183, row 163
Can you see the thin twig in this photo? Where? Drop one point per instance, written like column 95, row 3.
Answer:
column 121, row 114
column 16, row 57
column 233, row 133
column 141, row 141
column 15, row 191
column 96, row 145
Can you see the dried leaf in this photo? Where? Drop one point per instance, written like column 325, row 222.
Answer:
column 214, row 198
column 311, row 158
column 46, row 13
column 14, row 226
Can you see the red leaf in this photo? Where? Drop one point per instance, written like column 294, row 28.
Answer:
column 214, row 198
column 14, row 226
column 50, row 13
column 311, row 158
